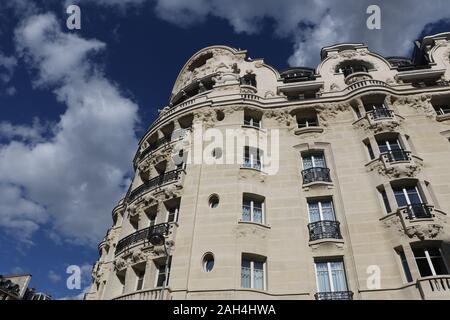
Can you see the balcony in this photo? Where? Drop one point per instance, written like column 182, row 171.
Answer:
column 252, row 164
column 380, row 113
column 338, row 295
column 175, row 136
column 316, row 174
column 146, row 294
column 396, row 156
column 141, row 236
column 434, row 287
column 324, row 230
column 163, row 179
column 417, row 211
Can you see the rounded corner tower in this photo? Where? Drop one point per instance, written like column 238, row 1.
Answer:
column 328, row 183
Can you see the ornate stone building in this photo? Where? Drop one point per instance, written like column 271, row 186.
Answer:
column 356, row 208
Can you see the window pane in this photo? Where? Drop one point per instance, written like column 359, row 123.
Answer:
column 323, row 281
column 386, row 201
column 439, row 265
column 405, row 265
column 424, row 267
column 246, row 213
column 257, row 215
column 338, row 276
column 258, row 275
column 327, row 211
column 319, row 161
column 307, row 162
column 400, row 197
column 314, row 213
column 245, row 274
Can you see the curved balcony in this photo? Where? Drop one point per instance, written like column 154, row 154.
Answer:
column 357, row 76
column 141, row 236
column 366, row 83
column 316, row 174
column 325, row 229
column 396, row 156
column 434, row 287
column 146, row 294
column 380, row 113
column 338, row 295
column 418, row 211
column 168, row 177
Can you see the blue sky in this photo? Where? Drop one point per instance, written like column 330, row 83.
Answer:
column 74, row 103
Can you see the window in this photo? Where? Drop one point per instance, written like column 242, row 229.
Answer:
column 442, row 109
column 331, row 276
column 172, row 209
column 321, row 210
column 384, row 196
column 430, row 261
column 208, row 262
column 161, row 274
column 140, row 280
column 313, row 161
column 410, row 197
column 253, row 209
column 393, row 148
column 369, row 149
column 249, row 80
column 252, row 158
column 253, row 273
column 213, row 201
column 387, row 145
column 307, row 122
column 404, row 262
column 252, row 120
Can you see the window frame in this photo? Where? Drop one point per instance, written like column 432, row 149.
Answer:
column 252, row 272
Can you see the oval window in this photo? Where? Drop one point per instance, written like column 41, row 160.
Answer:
column 208, row 262
column 213, row 201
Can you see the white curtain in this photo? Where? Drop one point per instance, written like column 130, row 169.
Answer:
column 338, row 276
column 314, row 213
column 327, row 211
column 323, row 281
column 258, row 275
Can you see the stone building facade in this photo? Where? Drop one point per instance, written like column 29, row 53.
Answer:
column 356, row 207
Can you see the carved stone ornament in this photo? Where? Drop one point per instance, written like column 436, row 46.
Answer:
column 395, row 171
column 120, row 264
column 420, row 102
column 327, row 111
column 213, row 59
column 231, row 109
column 245, row 174
column 378, row 126
column 205, row 116
column 424, row 231
column 283, row 117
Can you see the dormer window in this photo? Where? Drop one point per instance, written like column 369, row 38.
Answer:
column 248, row 80
column 349, row 67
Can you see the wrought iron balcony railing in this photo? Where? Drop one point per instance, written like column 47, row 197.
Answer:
column 316, row 174
column 252, row 164
column 418, row 211
column 325, row 229
column 153, row 183
column 141, row 236
column 337, row 295
column 381, row 113
column 397, row 155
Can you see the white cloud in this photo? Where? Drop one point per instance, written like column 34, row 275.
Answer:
column 78, row 173
column 7, row 67
column 311, row 24
column 33, row 133
column 54, row 277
